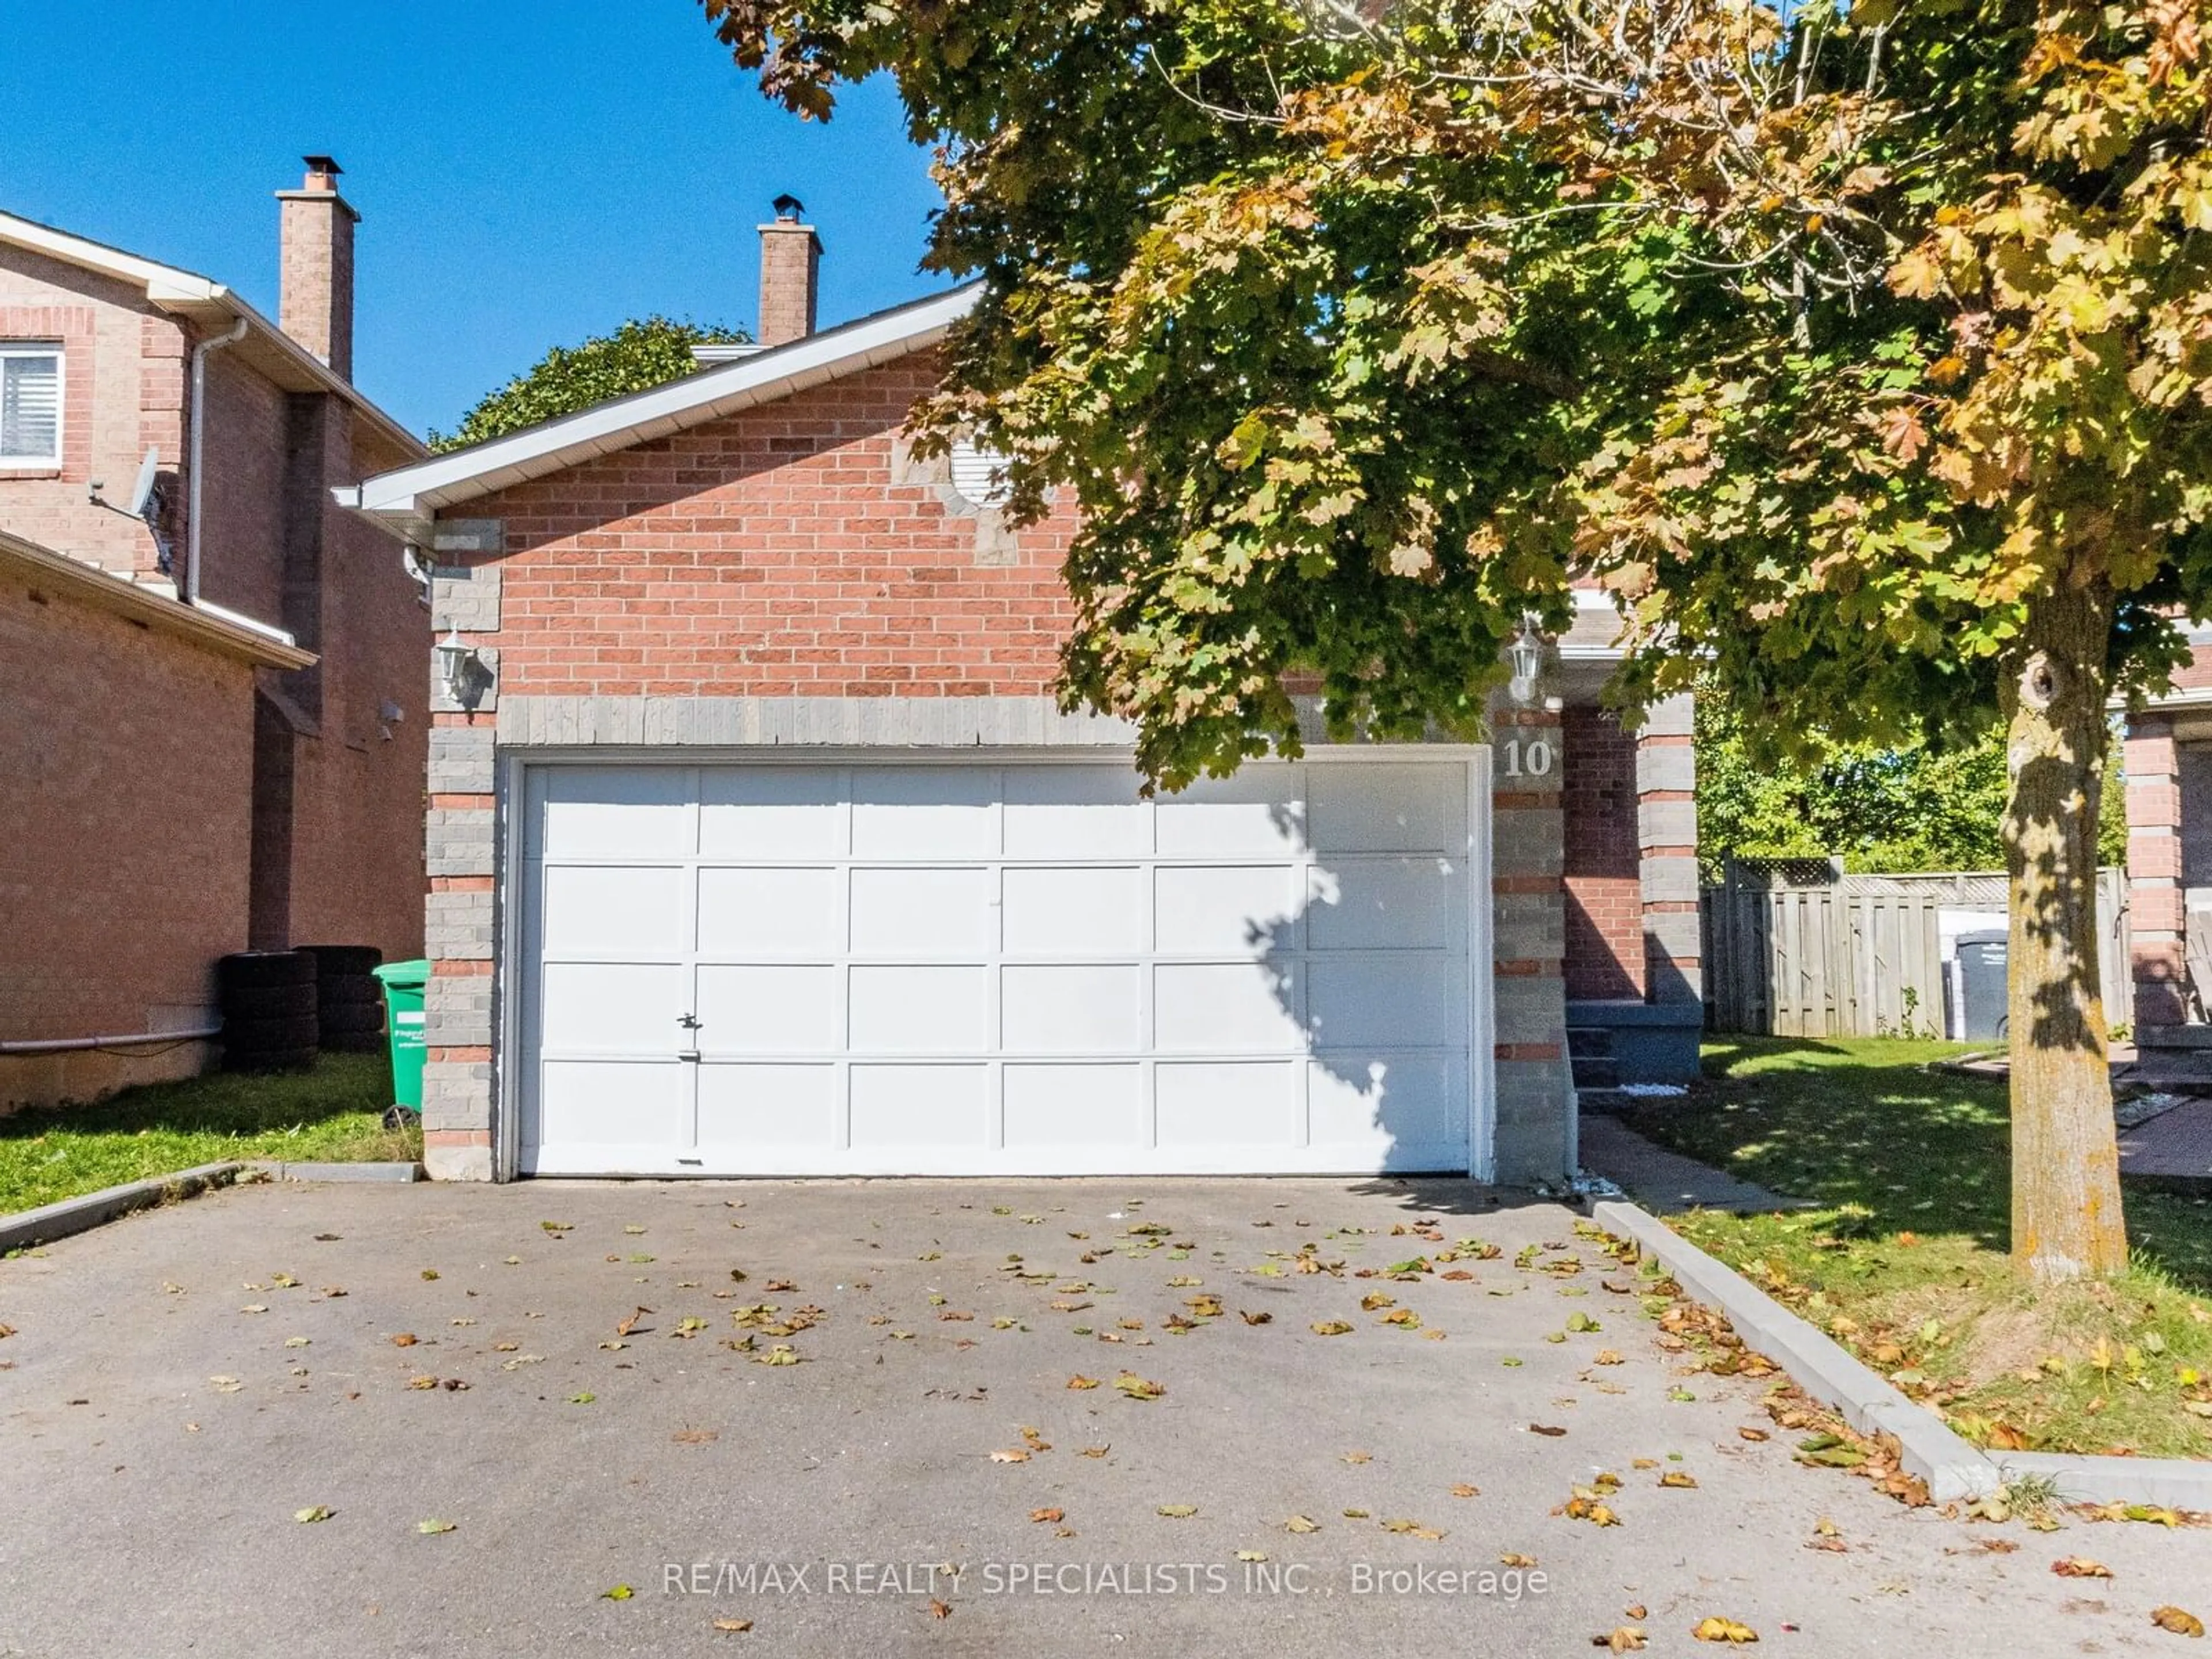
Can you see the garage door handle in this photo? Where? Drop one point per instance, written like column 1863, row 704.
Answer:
column 687, row 1053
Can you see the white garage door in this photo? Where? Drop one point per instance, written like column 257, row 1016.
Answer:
column 959, row 969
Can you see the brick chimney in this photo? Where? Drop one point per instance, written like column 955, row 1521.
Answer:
column 315, row 286
column 791, row 255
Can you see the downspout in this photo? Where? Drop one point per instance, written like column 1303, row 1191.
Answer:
column 198, row 447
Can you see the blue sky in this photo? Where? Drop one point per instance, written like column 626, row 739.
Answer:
column 527, row 175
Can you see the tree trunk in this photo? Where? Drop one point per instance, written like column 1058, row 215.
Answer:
column 2066, row 1220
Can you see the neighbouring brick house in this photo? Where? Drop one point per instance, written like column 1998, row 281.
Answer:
column 758, row 844
column 212, row 701
column 2168, row 770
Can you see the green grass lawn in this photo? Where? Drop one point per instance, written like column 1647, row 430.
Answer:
column 333, row 1115
column 1905, row 1262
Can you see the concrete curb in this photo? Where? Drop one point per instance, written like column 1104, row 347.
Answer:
column 276, row 1172
column 78, row 1215
column 1927, row 1447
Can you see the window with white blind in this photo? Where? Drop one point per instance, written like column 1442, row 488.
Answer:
column 979, row 475
column 30, row 404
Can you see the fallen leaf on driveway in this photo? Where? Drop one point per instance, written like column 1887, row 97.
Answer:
column 1546, row 1429
column 556, row 1227
column 405, row 1340
column 1256, row 1318
column 1177, row 1511
column 2080, row 1566
column 1512, row 1560
column 1628, row 1638
column 430, row 1528
column 619, row 1593
column 694, row 1436
column 584, row 1399
column 733, row 1626
column 629, row 1325
column 1722, row 1630
column 1136, row 1387
column 2176, row 1619
column 1054, row 1517
column 1676, row 1477
column 297, row 1342
column 1330, row 1327
column 1413, row 1529
column 1019, row 1454
column 939, row 1609
column 1753, row 1434
column 1359, row 1457
column 1094, row 1451
column 255, row 1307
column 1463, row 1490
column 327, row 1238
column 423, row 1384
column 1300, row 1524
column 1079, row 1382
column 309, row 1516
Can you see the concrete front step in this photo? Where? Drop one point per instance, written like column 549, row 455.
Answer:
column 1596, row 1072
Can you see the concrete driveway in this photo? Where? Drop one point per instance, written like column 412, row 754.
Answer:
column 179, row 1385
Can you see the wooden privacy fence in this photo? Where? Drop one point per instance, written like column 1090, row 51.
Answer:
column 1788, row 953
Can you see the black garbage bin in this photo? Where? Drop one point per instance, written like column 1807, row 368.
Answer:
column 1982, row 963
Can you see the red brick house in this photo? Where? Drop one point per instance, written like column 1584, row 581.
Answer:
column 758, row 844
column 212, row 701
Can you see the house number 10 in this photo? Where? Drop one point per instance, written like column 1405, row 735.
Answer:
column 1532, row 758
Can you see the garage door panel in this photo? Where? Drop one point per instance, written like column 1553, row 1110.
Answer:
column 746, row 1108
column 608, row 913
column 1389, row 807
column 924, row 912
column 771, row 811
column 1075, row 812
column 919, row 1010
column 613, row 1008
column 601, row 1104
column 1070, row 1009
column 610, row 812
column 1087, row 1107
column 1225, row 910
column 1089, row 911
column 1225, row 1008
column 1205, row 1106
column 1393, row 1001
column 1257, row 811
column 1389, row 1102
column 764, row 1010
column 923, row 1109
column 1414, row 904
column 925, row 812
column 768, row 912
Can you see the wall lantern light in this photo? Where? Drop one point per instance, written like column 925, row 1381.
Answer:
column 457, row 665
column 1526, row 655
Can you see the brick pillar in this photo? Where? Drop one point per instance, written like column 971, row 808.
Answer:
column 2155, row 899
column 1536, row 1138
column 460, row 917
column 1667, row 848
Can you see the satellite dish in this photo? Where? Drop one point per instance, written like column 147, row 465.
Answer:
column 142, row 493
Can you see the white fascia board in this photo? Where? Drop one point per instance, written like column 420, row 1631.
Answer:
column 161, row 282
column 409, row 496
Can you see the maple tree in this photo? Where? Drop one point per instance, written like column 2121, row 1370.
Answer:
column 1865, row 353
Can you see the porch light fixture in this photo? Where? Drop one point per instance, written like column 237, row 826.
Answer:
column 1526, row 653
column 457, row 661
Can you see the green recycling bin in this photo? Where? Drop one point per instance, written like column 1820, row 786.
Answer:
column 404, row 983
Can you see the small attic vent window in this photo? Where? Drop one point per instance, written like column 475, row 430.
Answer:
column 980, row 474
